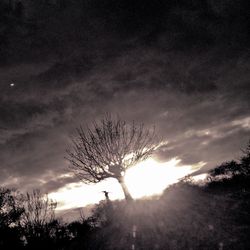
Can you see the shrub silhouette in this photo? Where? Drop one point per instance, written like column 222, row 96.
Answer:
column 10, row 213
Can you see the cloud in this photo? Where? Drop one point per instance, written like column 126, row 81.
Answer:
column 198, row 101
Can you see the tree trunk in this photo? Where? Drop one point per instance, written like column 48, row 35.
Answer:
column 127, row 195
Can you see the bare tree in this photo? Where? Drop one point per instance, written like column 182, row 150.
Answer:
column 38, row 212
column 108, row 149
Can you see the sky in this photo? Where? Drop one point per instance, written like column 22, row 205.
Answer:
column 180, row 66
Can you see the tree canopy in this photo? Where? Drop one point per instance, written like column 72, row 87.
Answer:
column 109, row 148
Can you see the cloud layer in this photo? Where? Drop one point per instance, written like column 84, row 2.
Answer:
column 197, row 95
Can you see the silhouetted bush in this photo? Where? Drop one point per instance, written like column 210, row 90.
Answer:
column 10, row 214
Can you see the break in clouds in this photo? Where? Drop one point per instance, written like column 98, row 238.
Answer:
column 197, row 94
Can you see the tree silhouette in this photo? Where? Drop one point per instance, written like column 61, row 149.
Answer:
column 10, row 213
column 232, row 168
column 38, row 218
column 108, row 149
column 245, row 160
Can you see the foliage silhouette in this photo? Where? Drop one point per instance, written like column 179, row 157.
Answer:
column 38, row 220
column 10, row 213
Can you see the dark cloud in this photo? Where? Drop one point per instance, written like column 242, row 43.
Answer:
column 56, row 183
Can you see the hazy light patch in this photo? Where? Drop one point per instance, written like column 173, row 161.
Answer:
column 212, row 132
column 198, row 165
column 11, row 181
column 66, row 175
column 151, row 177
column 145, row 179
column 200, row 177
column 163, row 143
column 79, row 194
column 244, row 123
column 204, row 132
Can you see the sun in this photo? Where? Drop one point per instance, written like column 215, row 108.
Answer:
column 151, row 177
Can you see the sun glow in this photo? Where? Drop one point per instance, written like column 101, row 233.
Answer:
column 151, row 177
column 145, row 179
